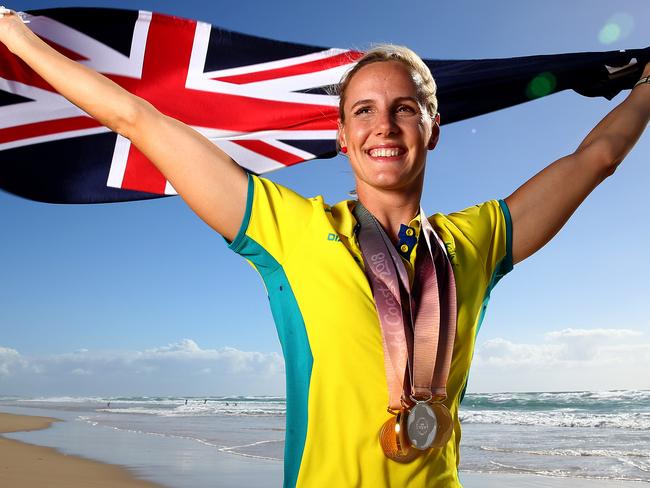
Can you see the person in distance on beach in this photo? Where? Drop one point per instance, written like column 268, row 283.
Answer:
column 376, row 304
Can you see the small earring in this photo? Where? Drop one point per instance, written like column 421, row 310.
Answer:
column 344, row 149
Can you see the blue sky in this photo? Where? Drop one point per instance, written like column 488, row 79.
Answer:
column 143, row 298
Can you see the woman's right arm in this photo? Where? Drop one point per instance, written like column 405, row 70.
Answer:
column 209, row 181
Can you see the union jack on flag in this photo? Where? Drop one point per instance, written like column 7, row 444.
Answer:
column 260, row 101
column 268, row 104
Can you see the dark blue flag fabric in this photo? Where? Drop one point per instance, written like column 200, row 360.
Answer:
column 268, row 104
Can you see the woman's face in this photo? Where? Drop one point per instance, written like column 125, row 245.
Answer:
column 386, row 129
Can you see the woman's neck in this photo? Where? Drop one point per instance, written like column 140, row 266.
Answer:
column 391, row 209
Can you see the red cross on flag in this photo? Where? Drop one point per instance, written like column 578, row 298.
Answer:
column 266, row 115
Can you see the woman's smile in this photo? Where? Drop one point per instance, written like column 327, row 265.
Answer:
column 388, row 153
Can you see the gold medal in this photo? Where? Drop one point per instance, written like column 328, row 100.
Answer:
column 394, row 440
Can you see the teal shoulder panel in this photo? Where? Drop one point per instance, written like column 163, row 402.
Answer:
column 297, row 353
column 238, row 241
column 503, row 267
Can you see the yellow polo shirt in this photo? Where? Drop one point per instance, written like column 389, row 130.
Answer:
column 309, row 259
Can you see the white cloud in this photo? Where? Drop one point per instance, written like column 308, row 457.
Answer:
column 501, row 352
column 583, row 333
column 183, row 348
column 81, row 372
column 181, row 368
column 9, row 360
column 568, row 359
column 594, row 345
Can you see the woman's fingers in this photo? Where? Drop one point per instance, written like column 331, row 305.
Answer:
column 4, row 11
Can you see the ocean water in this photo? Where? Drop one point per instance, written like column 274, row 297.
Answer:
column 587, row 435
column 592, row 435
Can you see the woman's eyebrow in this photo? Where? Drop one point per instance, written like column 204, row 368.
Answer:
column 366, row 101
column 361, row 102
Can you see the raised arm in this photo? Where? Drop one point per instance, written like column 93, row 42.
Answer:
column 542, row 205
column 211, row 183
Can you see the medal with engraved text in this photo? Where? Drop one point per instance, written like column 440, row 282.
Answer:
column 421, row 426
column 418, row 329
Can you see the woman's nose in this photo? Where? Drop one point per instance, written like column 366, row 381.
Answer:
column 386, row 124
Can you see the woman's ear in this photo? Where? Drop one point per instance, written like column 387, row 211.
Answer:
column 340, row 137
column 435, row 133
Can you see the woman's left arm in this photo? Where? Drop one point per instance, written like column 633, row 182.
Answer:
column 542, row 205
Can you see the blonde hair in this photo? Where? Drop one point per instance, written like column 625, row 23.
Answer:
column 424, row 82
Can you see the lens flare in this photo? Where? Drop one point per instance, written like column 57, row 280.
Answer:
column 609, row 34
column 618, row 27
column 541, row 85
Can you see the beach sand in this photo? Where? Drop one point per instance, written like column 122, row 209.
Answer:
column 29, row 466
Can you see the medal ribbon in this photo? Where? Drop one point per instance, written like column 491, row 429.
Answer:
column 418, row 326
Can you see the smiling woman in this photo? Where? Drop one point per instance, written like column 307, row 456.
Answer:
column 387, row 314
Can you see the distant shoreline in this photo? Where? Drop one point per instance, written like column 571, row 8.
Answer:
column 31, row 466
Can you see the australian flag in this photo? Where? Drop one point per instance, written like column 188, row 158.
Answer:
column 266, row 103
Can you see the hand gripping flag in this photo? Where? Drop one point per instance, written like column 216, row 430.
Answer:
column 268, row 104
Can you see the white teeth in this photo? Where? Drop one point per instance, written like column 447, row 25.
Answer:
column 384, row 152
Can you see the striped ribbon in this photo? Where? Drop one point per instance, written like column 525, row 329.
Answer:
column 418, row 323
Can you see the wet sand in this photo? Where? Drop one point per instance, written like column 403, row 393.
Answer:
column 29, row 466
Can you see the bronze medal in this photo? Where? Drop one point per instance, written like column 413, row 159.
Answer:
column 445, row 424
